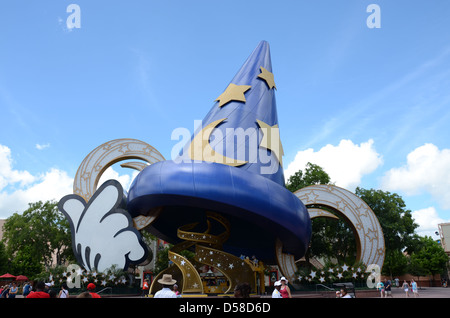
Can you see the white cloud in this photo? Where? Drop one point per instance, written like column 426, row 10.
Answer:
column 7, row 174
column 125, row 180
column 345, row 163
column 18, row 188
column 427, row 170
column 52, row 185
column 428, row 220
column 42, row 147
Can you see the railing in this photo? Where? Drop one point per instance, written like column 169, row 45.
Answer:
column 104, row 289
column 322, row 285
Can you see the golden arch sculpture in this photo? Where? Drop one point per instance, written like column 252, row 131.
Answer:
column 107, row 154
column 104, row 156
column 369, row 235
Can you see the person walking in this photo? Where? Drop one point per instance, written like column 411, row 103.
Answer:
column 380, row 287
column 387, row 288
column 405, row 288
column 414, row 288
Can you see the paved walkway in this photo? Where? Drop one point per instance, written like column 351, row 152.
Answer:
column 425, row 292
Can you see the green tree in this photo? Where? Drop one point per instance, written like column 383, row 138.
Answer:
column 37, row 235
column 428, row 258
column 313, row 174
column 162, row 260
column 416, row 266
column 332, row 239
column 4, row 267
column 396, row 222
column 24, row 262
column 395, row 263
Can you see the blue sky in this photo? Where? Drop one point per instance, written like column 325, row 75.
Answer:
column 371, row 105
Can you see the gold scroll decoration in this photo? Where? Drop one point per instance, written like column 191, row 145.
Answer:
column 236, row 270
column 207, row 251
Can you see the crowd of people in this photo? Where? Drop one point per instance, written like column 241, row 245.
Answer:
column 33, row 289
column 39, row 289
column 170, row 289
column 385, row 288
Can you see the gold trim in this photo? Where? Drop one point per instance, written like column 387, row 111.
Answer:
column 207, row 251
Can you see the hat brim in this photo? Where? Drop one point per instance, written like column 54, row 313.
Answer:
column 259, row 210
column 164, row 282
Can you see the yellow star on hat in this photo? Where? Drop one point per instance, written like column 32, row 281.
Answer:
column 268, row 77
column 233, row 92
column 271, row 140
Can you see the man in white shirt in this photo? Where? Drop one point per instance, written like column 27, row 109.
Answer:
column 166, row 291
column 344, row 293
column 276, row 292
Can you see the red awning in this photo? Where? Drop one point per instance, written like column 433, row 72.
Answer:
column 7, row 275
column 21, row 278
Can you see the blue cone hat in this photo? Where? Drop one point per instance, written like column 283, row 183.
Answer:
column 233, row 166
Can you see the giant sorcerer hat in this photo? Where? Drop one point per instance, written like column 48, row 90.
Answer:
column 233, row 166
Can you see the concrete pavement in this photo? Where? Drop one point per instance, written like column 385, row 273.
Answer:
column 425, row 292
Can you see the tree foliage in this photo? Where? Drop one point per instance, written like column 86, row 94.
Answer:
column 396, row 223
column 332, row 240
column 395, row 263
column 428, row 258
column 313, row 174
column 35, row 237
column 4, row 262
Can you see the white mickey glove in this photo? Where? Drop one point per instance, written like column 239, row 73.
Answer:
column 102, row 231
